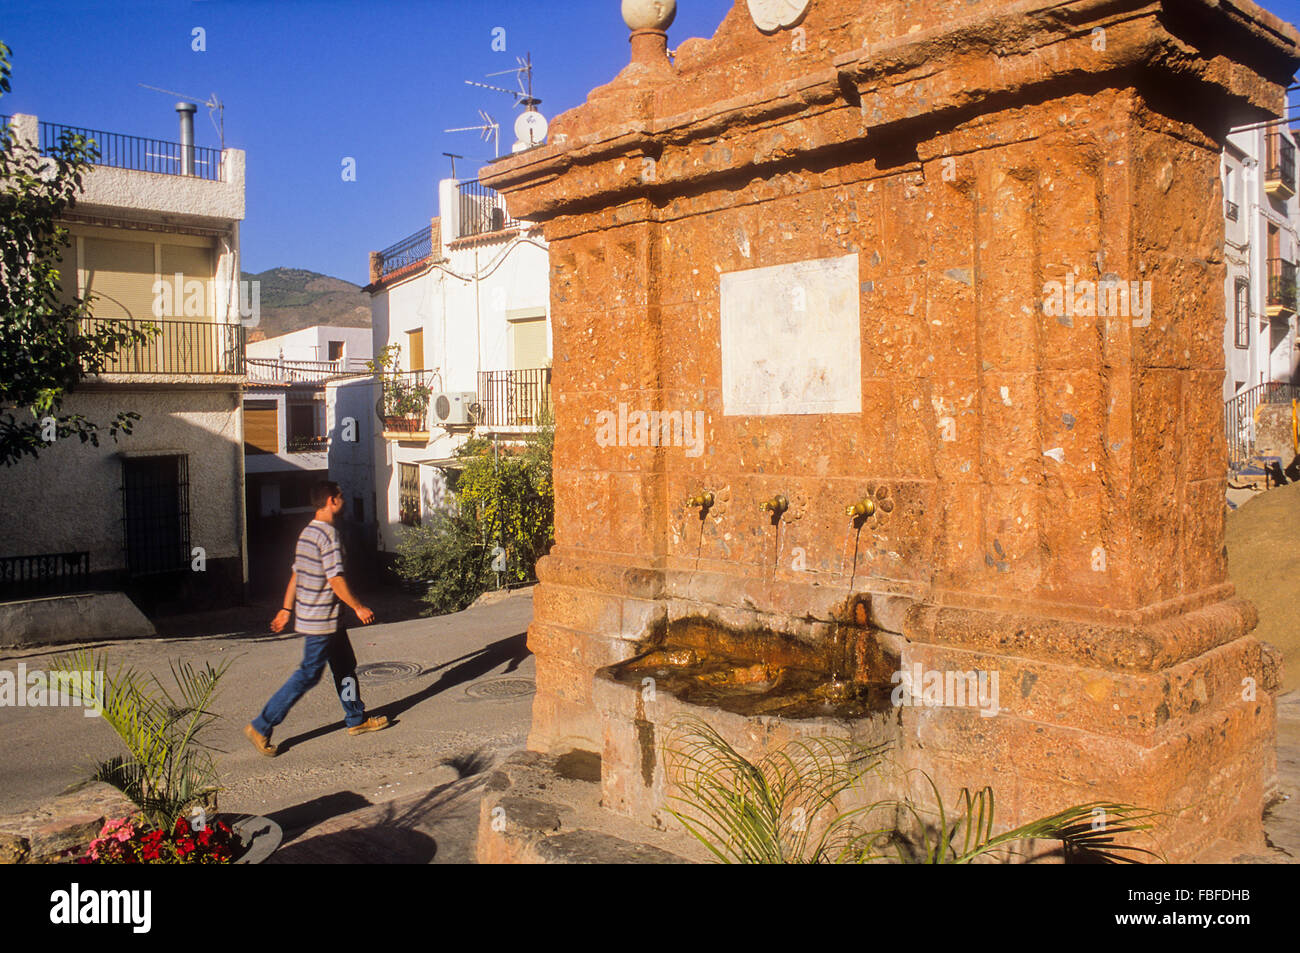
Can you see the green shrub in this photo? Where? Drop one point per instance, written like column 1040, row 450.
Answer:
column 506, row 499
column 447, row 555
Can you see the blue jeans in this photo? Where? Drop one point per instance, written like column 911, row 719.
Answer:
column 335, row 649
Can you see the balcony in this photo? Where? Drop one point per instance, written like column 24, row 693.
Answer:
column 519, row 398
column 201, row 184
column 308, row 443
column 1281, row 287
column 137, row 153
column 1279, row 174
column 405, row 405
column 481, row 210
column 189, row 348
column 274, row 371
column 411, row 250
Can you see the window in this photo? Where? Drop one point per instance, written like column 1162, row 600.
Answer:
column 335, row 350
column 1242, row 312
column 156, row 514
column 408, row 493
column 261, row 427
column 415, row 350
column 528, row 344
column 306, row 425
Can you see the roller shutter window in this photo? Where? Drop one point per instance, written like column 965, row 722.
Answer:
column 120, row 277
column 192, row 341
column 415, row 349
column 528, row 344
column 192, row 264
column 261, row 427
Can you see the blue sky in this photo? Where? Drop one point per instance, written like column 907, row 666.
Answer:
column 308, row 82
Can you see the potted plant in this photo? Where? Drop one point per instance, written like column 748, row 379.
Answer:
column 405, row 400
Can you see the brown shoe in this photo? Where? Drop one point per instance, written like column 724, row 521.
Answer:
column 260, row 742
column 375, row 723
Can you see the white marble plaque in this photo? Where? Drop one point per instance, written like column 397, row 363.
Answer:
column 791, row 339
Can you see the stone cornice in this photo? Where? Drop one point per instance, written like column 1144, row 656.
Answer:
column 1017, row 55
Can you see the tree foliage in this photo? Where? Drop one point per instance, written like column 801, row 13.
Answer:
column 504, row 522
column 46, row 344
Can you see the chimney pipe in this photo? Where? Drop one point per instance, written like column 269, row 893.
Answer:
column 186, row 112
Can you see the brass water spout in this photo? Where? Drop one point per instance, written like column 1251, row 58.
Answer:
column 862, row 509
column 776, row 506
column 703, row 500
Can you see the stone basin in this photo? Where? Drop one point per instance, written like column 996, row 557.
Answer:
column 759, row 688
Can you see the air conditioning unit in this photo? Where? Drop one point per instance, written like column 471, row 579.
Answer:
column 454, row 407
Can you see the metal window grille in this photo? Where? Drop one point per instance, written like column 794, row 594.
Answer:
column 408, row 493
column 156, row 514
column 1243, row 312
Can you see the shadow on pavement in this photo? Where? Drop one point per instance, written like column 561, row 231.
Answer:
column 396, row 832
column 294, row 820
column 510, row 652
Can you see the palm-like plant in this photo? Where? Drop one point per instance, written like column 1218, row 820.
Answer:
column 167, row 768
column 767, row 811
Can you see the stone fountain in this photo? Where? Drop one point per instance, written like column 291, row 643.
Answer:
column 888, row 346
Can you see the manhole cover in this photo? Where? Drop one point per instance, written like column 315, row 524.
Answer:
column 502, row 688
column 376, row 673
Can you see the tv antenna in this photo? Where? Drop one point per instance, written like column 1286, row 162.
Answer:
column 491, row 131
column 531, row 125
column 216, row 109
column 453, row 157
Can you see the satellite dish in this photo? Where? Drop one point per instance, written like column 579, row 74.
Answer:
column 530, row 130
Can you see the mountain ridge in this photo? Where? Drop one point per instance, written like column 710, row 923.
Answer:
column 291, row 299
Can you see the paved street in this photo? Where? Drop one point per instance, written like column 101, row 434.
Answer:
column 457, row 687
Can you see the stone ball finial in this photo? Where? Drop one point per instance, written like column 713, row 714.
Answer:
column 649, row 14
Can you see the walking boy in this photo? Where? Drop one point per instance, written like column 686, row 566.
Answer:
column 316, row 587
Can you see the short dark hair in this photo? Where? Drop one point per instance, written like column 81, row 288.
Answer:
column 323, row 492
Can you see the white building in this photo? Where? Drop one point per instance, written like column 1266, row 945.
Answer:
column 465, row 303
column 347, row 348
column 1261, row 248
column 158, row 513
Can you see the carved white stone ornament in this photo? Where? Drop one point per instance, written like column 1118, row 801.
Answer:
column 772, row 15
column 649, row 14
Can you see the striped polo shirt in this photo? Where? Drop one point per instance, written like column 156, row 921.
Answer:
column 318, row 559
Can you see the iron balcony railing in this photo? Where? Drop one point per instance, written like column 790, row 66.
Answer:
column 268, row 370
column 1239, row 416
column 481, row 210
column 136, row 152
column 412, row 249
column 308, row 443
column 26, row 577
column 404, row 406
column 514, row 398
column 1281, row 161
column 199, row 348
column 1281, row 284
